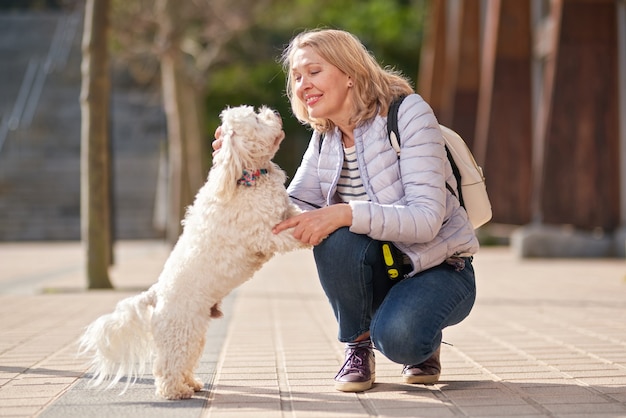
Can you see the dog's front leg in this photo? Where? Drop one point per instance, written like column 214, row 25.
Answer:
column 284, row 242
column 292, row 210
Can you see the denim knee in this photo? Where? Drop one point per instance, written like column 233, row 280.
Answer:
column 407, row 328
column 400, row 344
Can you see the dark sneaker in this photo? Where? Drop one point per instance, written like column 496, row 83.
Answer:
column 427, row 372
column 358, row 371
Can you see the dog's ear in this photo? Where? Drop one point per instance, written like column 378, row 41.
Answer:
column 227, row 168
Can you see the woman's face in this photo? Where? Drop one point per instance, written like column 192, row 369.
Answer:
column 321, row 86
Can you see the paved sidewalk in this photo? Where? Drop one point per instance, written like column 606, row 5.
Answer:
column 547, row 338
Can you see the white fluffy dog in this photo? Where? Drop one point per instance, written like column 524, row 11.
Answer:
column 227, row 237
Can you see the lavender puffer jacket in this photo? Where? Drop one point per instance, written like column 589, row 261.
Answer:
column 409, row 203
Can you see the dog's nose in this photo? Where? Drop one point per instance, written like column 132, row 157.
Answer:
column 277, row 113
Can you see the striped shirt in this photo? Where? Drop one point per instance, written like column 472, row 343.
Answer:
column 350, row 186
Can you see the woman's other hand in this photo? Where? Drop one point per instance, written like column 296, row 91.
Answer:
column 217, row 143
column 314, row 226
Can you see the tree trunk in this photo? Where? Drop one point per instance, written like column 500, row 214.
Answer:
column 177, row 184
column 195, row 141
column 95, row 149
column 185, row 146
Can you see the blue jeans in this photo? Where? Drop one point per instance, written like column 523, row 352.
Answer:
column 405, row 318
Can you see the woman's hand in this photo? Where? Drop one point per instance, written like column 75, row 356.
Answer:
column 217, row 144
column 314, row 226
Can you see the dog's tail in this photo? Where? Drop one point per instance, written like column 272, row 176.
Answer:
column 120, row 343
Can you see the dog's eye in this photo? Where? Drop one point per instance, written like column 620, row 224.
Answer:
column 276, row 113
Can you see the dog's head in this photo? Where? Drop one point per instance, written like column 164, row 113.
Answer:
column 249, row 141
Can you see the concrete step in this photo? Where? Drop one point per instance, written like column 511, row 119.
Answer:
column 40, row 154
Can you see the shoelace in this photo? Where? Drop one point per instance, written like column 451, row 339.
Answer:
column 355, row 360
column 408, row 367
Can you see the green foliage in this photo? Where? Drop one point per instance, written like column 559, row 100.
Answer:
column 250, row 73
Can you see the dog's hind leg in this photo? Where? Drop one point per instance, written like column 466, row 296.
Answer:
column 178, row 346
column 170, row 384
column 171, row 346
column 192, row 363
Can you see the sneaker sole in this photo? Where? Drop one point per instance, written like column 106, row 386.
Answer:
column 355, row 386
column 424, row 379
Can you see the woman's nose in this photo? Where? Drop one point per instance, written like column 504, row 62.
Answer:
column 302, row 89
column 304, row 83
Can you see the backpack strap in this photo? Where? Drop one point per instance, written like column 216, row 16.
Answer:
column 393, row 134
column 457, row 176
column 321, row 140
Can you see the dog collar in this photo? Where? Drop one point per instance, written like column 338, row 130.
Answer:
column 249, row 177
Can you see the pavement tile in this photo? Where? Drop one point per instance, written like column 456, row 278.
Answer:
column 557, row 391
column 420, row 412
column 591, row 409
column 487, row 393
column 588, row 398
column 620, row 397
column 607, row 379
column 30, row 401
column 501, row 401
column 16, row 390
column 498, row 410
column 9, row 411
column 582, row 374
column 612, row 388
column 245, row 414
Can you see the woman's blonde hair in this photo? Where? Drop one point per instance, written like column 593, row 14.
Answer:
column 374, row 87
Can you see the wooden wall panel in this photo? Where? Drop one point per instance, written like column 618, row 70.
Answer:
column 450, row 64
column 433, row 63
column 570, row 148
column 464, row 102
column 581, row 168
column 503, row 141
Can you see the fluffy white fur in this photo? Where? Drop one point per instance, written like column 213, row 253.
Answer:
column 227, row 237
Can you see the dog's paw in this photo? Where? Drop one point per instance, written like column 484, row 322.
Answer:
column 176, row 393
column 195, row 384
column 299, row 245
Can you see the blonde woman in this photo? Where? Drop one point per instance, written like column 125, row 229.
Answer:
column 358, row 194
